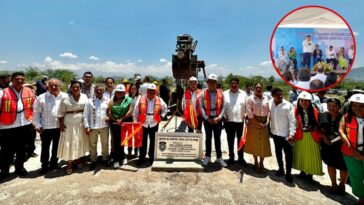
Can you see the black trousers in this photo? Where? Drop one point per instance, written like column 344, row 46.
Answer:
column 143, row 150
column 234, row 130
column 279, row 144
column 30, row 144
column 199, row 126
column 47, row 137
column 119, row 153
column 216, row 129
column 307, row 60
column 12, row 142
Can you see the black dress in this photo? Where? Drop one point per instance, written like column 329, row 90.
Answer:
column 331, row 154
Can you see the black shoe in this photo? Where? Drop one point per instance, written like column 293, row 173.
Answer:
column 309, row 178
column 289, row 178
column 92, row 166
column 242, row 162
column 106, row 163
column 231, row 161
column 279, row 172
column 22, row 172
column 302, row 175
column 43, row 170
column 53, row 167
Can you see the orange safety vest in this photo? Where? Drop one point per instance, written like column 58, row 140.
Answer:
column 9, row 105
column 190, row 114
column 352, row 133
column 127, row 88
column 143, row 106
column 299, row 132
column 219, row 102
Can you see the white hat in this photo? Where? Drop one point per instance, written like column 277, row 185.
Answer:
column 305, row 95
column 151, row 86
column 81, row 80
column 192, row 78
column 359, row 98
column 138, row 77
column 120, row 88
column 212, row 77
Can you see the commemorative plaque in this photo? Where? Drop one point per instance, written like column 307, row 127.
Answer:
column 177, row 152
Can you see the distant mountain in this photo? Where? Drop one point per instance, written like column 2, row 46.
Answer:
column 356, row 74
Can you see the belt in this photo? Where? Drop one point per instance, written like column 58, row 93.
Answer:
column 73, row 112
column 150, row 113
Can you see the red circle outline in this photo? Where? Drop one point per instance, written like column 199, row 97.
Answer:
column 281, row 75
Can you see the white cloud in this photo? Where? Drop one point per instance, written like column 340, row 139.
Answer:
column 71, row 22
column 94, row 58
column 3, row 62
column 139, row 61
column 266, row 63
column 356, row 33
column 162, row 60
column 68, row 55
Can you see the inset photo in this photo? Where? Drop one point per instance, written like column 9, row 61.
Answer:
column 312, row 48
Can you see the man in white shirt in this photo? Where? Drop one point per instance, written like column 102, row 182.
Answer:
column 87, row 87
column 304, row 76
column 308, row 48
column 331, row 57
column 283, row 129
column 234, row 115
column 16, row 114
column 351, row 55
column 47, row 124
column 149, row 110
column 95, row 121
column 320, row 75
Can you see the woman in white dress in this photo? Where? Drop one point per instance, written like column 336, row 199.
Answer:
column 73, row 142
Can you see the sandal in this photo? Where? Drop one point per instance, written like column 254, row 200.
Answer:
column 69, row 168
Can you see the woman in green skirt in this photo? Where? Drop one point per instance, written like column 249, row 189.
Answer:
column 351, row 131
column 306, row 152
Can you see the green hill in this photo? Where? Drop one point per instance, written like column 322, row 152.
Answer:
column 356, row 74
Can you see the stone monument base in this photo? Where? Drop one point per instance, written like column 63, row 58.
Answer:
column 177, row 166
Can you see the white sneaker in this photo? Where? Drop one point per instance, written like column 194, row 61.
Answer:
column 206, row 161
column 222, row 162
column 124, row 162
column 116, row 165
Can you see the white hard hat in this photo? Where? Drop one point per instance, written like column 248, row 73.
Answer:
column 151, row 86
column 81, row 80
column 212, row 76
column 138, row 77
column 359, row 98
column 192, row 78
column 305, row 95
column 120, row 88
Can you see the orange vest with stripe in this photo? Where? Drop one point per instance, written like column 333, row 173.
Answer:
column 352, row 133
column 9, row 105
column 218, row 105
column 190, row 114
column 299, row 133
column 143, row 107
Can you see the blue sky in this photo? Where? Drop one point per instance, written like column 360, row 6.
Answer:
column 123, row 37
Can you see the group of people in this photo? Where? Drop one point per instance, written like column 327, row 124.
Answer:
column 307, row 131
column 73, row 122
column 303, row 79
column 337, row 58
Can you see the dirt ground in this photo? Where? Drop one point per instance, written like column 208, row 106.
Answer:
column 132, row 185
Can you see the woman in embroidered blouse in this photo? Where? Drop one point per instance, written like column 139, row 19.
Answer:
column 306, row 152
column 331, row 145
column 351, row 131
column 73, row 143
column 119, row 111
column 257, row 140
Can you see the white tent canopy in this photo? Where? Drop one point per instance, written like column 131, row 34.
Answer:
column 313, row 18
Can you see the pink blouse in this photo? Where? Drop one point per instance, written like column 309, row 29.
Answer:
column 257, row 106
